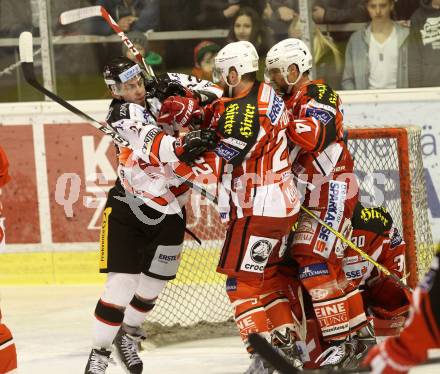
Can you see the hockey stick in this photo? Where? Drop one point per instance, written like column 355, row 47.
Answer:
column 269, row 354
column 26, row 58
column 27, row 64
column 75, row 15
column 382, row 268
column 9, row 69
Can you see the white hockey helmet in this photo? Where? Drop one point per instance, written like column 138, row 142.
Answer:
column 240, row 55
column 285, row 53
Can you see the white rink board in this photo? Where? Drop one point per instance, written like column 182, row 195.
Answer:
column 52, row 331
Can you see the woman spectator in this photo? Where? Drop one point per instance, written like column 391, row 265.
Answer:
column 248, row 26
column 377, row 55
column 326, row 56
column 204, row 54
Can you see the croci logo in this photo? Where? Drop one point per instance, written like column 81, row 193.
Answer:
column 260, row 251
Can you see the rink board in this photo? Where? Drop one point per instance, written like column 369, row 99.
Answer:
column 62, row 170
column 81, row 267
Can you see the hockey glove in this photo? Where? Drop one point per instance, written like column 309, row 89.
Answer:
column 163, row 87
column 178, row 112
column 194, row 143
column 382, row 361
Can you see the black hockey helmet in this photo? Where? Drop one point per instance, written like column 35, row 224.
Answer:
column 120, row 70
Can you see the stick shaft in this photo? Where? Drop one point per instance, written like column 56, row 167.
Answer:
column 79, row 14
column 29, row 75
column 382, row 268
column 114, row 25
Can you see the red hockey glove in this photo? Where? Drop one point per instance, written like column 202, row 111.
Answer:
column 179, row 112
column 381, row 362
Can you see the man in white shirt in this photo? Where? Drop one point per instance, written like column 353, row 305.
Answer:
column 377, row 55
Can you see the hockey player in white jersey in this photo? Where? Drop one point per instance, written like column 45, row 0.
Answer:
column 144, row 219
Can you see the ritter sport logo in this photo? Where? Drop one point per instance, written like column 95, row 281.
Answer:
column 260, row 251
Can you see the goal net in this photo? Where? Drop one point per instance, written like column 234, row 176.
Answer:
column 389, row 167
column 388, row 164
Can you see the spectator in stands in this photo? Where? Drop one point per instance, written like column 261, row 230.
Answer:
column 326, row 56
column 278, row 15
column 424, row 46
column 204, row 54
column 131, row 15
column 140, row 42
column 377, row 55
column 248, row 26
column 339, row 11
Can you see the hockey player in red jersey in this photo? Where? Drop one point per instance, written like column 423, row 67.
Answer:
column 8, row 354
column 376, row 234
column 397, row 355
column 144, row 218
column 324, row 166
column 256, row 195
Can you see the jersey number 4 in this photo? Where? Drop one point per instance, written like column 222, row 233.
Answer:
column 301, row 127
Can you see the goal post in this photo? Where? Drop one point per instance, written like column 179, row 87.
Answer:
column 389, row 167
column 395, row 154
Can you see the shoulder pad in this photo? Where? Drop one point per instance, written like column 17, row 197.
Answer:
column 240, row 122
column 376, row 219
column 322, row 93
column 121, row 110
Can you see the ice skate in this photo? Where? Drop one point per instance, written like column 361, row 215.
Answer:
column 337, row 356
column 286, row 344
column 259, row 366
column 127, row 348
column 360, row 351
column 98, row 361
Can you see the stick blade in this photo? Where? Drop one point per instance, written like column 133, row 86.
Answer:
column 25, row 47
column 75, row 15
column 265, row 350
